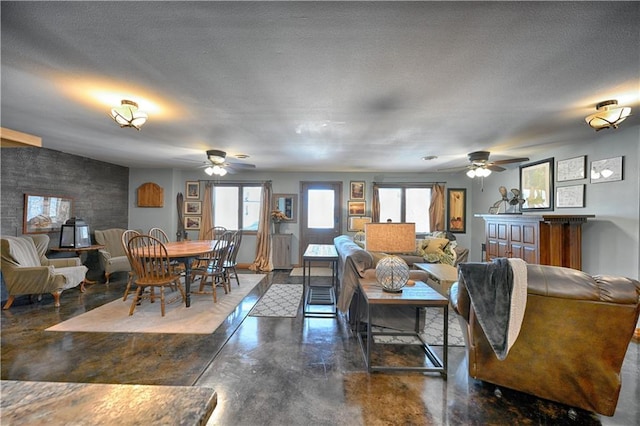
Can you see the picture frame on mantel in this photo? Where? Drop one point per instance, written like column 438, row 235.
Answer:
column 536, row 185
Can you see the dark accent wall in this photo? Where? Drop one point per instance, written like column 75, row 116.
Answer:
column 100, row 191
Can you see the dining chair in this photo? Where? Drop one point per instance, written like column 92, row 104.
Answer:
column 159, row 234
column 214, row 267
column 214, row 233
column 152, row 267
column 125, row 238
column 231, row 262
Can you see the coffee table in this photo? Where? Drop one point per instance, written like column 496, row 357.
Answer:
column 441, row 276
column 320, row 295
column 418, row 296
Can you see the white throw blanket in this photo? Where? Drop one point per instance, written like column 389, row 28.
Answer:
column 518, row 299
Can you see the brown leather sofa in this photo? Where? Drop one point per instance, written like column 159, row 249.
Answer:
column 572, row 342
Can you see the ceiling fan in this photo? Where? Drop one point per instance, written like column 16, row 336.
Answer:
column 479, row 164
column 220, row 166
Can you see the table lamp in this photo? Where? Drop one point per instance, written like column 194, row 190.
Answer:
column 392, row 271
column 357, row 224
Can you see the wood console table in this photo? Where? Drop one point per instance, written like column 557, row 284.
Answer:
column 540, row 239
column 79, row 251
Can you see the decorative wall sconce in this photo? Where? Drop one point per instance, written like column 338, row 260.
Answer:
column 608, row 115
column 128, row 115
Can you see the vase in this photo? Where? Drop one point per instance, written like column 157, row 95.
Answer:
column 276, row 227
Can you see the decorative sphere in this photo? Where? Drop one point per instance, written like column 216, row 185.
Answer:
column 392, row 273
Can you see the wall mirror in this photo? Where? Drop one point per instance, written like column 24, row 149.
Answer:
column 288, row 204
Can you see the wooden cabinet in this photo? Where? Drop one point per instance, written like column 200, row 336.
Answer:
column 541, row 239
column 281, row 251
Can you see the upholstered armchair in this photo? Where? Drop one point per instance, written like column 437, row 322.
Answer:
column 572, row 342
column 27, row 270
column 112, row 257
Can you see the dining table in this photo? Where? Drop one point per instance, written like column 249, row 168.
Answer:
column 186, row 252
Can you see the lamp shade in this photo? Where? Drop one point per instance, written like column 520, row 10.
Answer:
column 390, row 237
column 392, row 272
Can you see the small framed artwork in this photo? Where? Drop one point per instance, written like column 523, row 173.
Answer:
column 193, row 207
column 45, row 213
column 570, row 196
column 457, row 210
column 356, row 223
column 192, row 222
column 536, row 185
column 571, row 169
column 193, row 190
column 357, row 190
column 607, row 170
column 356, row 208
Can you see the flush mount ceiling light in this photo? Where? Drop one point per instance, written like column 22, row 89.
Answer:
column 608, row 115
column 128, row 115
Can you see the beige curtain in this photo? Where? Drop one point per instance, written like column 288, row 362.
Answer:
column 262, row 263
column 375, row 204
column 436, row 209
column 207, row 210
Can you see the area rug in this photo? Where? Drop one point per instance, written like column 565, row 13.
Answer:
column 281, row 300
column 202, row 317
column 432, row 333
column 315, row 272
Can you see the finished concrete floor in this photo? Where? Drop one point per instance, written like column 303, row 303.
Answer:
column 276, row 371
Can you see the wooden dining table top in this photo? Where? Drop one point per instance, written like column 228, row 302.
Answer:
column 189, row 247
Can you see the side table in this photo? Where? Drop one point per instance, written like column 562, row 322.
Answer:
column 79, row 251
column 441, row 276
column 316, row 295
column 418, row 296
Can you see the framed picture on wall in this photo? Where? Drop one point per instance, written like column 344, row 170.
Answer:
column 356, row 208
column 570, row 196
column 192, row 222
column 357, row 190
column 457, row 210
column 536, row 185
column 607, row 170
column 193, row 207
column 571, row 169
column 193, row 190
column 45, row 213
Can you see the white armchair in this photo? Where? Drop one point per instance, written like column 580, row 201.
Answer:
column 26, row 269
column 112, row 257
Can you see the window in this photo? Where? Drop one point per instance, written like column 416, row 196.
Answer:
column 406, row 203
column 237, row 206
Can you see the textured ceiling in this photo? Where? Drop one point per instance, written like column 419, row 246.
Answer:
column 322, row 86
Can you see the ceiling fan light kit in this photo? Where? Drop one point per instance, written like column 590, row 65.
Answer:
column 609, row 115
column 128, row 115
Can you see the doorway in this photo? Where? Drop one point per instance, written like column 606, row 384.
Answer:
column 320, row 213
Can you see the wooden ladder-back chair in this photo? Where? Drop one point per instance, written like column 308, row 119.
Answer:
column 152, row 267
column 212, row 266
column 231, row 262
column 159, row 234
column 126, row 236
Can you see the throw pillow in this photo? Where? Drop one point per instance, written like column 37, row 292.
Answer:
column 435, row 245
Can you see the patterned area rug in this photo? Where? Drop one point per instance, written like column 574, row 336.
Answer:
column 281, row 300
column 432, row 334
column 315, row 272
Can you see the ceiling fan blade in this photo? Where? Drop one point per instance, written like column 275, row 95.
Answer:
column 454, row 169
column 495, row 168
column 239, row 166
column 512, row 160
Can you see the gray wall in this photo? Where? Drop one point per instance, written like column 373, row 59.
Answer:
column 99, row 190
